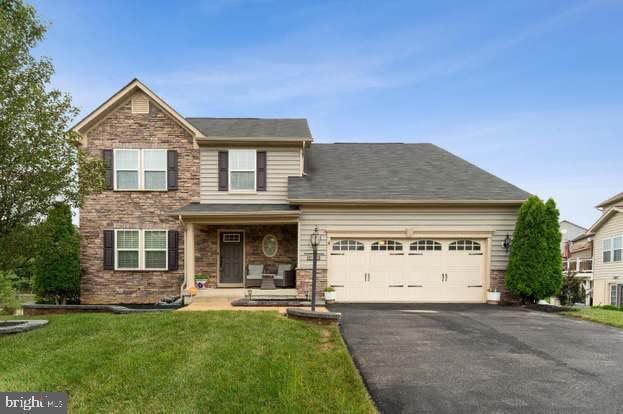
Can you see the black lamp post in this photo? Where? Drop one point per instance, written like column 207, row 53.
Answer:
column 314, row 239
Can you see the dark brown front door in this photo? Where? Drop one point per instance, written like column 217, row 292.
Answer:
column 231, row 260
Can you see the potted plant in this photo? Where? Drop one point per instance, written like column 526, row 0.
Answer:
column 201, row 281
column 493, row 296
column 329, row 294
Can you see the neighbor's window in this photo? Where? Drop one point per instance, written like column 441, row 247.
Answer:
column 127, row 249
column 613, row 295
column 616, row 248
column 383, row 245
column 141, row 249
column 607, row 253
column 137, row 169
column 242, row 170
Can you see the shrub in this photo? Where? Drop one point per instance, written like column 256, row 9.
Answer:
column 57, row 261
column 8, row 295
column 535, row 267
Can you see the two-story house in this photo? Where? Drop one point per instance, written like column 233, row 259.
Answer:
column 235, row 199
column 605, row 237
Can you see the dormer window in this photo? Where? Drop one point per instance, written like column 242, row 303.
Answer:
column 242, row 170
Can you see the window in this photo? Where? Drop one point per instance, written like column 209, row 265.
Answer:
column 155, row 247
column 137, row 169
column 141, row 250
column 464, row 245
column 242, row 170
column 607, row 252
column 126, row 169
column 155, row 169
column 231, row 237
column 347, row 245
column 383, row 245
column 420, row 245
column 616, row 248
column 613, row 295
column 127, row 249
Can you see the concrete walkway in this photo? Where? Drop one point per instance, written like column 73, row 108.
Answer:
column 213, row 303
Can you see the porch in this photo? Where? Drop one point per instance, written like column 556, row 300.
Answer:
column 240, row 249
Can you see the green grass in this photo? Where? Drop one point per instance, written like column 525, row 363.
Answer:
column 183, row 362
column 600, row 315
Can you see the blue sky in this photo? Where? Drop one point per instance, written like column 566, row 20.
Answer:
column 528, row 90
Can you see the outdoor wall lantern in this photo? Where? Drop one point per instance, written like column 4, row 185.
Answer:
column 507, row 242
column 314, row 240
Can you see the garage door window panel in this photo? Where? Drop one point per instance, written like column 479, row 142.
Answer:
column 464, row 245
column 425, row 245
column 347, row 245
column 386, row 245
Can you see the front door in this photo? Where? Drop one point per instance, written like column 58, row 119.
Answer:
column 231, row 260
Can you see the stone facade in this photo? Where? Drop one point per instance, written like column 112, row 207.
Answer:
column 135, row 209
column 304, row 282
column 498, row 282
column 206, row 247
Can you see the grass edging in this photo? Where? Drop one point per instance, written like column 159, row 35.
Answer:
column 602, row 316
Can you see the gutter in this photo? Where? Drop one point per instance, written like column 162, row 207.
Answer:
column 381, row 202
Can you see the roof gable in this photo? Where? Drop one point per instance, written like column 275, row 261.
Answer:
column 611, row 200
column 604, row 219
column 124, row 93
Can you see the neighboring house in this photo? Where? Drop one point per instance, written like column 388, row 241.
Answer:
column 227, row 199
column 607, row 247
column 578, row 260
column 568, row 232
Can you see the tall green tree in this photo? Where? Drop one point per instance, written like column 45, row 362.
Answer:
column 39, row 156
column 57, row 262
column 535, row 269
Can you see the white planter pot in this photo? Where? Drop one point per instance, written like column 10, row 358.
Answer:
column 329, row 296
column 201, row 284
column 494, row 297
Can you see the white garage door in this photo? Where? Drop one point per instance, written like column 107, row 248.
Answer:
column 365, row 270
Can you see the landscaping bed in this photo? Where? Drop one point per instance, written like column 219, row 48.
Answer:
column 606, row 315
column 186, row 362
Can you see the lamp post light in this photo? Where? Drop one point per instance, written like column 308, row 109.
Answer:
column 508, row 242
column 314, row 239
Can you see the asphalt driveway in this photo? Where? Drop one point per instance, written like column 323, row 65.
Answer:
column 480, row 358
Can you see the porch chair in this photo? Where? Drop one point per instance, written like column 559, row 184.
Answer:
column 254, row 276
column 285, row 276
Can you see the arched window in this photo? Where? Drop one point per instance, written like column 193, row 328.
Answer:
column 421, row 245
column 464, row 245
column 386, row 245
column 346, row 245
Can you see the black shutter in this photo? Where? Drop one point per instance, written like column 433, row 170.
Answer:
column 174, row 249
column 107, row 157
column 223, row 170
column 171, row 170
column 261, row 170
column 109, row 249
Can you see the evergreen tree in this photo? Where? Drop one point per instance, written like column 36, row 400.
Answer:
column 57, row 259
column 535, row 268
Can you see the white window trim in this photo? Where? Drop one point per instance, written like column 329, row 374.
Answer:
column 141, row 251
column 141, row 170
column 611, row 249
column 230, row 170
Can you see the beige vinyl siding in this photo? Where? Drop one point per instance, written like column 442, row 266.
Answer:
column 280, row 164
column 601, row 270
column 500, row 220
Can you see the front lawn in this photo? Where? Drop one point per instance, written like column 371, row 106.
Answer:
column 186, row 362
column 605, row 316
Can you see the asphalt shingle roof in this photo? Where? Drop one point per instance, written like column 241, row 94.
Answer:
column 252, row 127
column 395, row 172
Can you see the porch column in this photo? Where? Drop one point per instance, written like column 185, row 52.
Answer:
column 189, row 255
